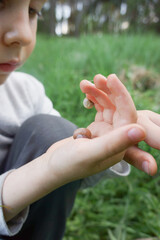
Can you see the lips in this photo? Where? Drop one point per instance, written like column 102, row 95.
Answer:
column 9, row 66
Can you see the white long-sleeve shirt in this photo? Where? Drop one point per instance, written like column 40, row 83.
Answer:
column 21, row 97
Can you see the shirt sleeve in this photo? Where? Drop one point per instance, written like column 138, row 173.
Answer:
column 13, row 226
column 120, row 169
column 41, row 104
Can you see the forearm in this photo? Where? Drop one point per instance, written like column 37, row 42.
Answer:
column 28, row 184
column 66, row 161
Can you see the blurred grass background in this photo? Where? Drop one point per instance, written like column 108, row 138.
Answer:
column 115, row 209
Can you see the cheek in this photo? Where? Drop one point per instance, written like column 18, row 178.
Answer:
column 32, row 45
column 34, row 32
column 29, row 49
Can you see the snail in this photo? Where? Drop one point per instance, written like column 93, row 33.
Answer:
column 82, row 133
column 87, row 103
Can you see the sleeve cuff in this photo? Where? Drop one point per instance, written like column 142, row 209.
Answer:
column 13, row 226
column 121, row 169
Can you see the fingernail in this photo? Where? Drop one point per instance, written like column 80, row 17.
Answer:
column 135, row 134
column 145, row 167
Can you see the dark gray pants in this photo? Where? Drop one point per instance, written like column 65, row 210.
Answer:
column 47, row 217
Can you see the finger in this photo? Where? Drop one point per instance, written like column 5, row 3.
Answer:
column 119, row 96
column 103, row 149
column 99, row 115
column 152, row 130
column 99, row 108
column 100, row 99
column 101, row 83
column 141, row 160
column 154, row 117
column 126, row 111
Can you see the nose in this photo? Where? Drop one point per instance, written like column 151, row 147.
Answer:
column 19, row 31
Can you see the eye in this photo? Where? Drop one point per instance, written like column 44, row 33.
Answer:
column 33, row 12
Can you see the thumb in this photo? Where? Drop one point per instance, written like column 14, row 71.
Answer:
column 108, row 146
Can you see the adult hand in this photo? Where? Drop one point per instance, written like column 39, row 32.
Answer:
column 112, row 101
column 134, row 155
column 115, row 107
column 151, row 122
column 71, row 159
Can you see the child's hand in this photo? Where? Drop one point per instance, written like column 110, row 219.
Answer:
column 114, row 106
column 112, row 101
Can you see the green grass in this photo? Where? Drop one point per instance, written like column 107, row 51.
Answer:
column 115, row 209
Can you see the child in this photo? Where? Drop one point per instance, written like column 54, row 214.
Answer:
column 42, row 166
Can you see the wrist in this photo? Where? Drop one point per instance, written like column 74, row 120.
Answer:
column 30, row 182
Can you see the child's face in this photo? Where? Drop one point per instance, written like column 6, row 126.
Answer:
column 18, row 25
